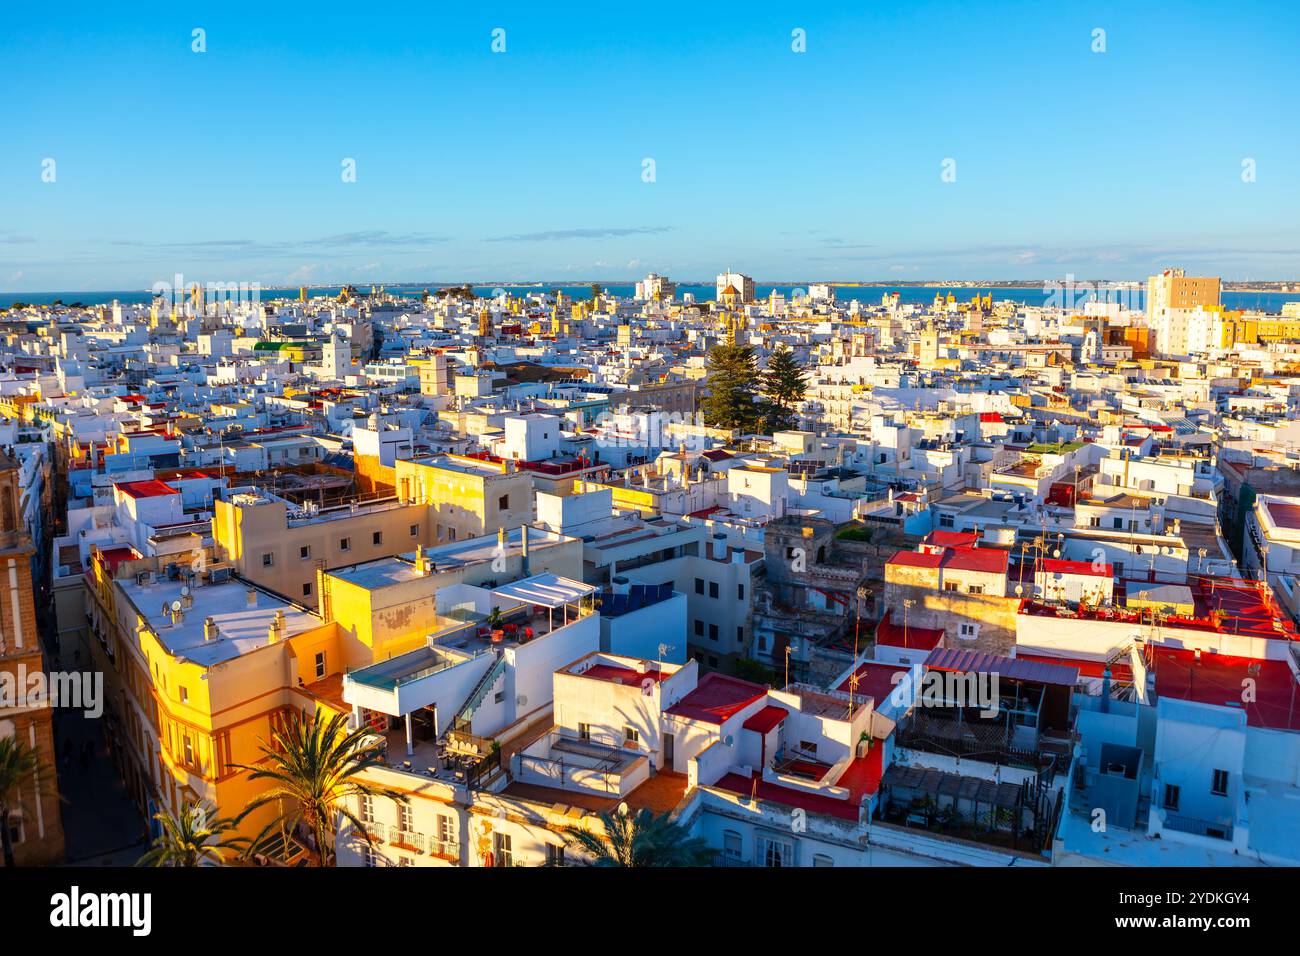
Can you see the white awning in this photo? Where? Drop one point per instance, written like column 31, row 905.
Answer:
column 546, row 590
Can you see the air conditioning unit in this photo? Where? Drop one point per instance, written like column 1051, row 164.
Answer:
column 144, row 578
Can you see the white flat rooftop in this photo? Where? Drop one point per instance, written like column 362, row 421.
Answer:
column 241, row 628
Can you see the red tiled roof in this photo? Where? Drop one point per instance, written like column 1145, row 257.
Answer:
column 990, row 560
column 766, row 719
column 916, row 559
column 774, row 792
column 1057, row 566
column 1284, row 516
column 622, row 675
column 875, row 680
column 717, row 698
column 146, row 489
column 1219, row 679
column 892, row 635
column 952, row 539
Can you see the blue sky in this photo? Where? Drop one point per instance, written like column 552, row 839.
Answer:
column 472, row 165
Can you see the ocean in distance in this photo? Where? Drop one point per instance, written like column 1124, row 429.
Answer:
column 868, row 295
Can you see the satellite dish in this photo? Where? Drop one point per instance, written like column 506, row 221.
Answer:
column 622, row 809
column 728, row 740
column 522, row 700
column 185, row 590
column 176, row 605
column 1020, row 589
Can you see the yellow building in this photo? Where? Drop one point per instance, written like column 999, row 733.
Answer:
column 466, row 496
column 279, row 545
column 198, row 670
column 201, row 666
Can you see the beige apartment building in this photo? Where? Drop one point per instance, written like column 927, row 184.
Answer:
column 1182, row 312
column 466, row 497
column 280, row 545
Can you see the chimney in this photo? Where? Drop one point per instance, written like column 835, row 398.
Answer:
column 276, row 630
column 210, row 632
column 718, row 547
column 252, row 597
column 501, row 539
column 523, row 544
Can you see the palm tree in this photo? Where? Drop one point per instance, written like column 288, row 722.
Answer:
column 192, row 839
column 18, row 764
column 312, row 765
column 639, row 839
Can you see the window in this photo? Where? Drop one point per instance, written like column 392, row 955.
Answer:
column 740, row 634
column 500, row 697
column 415, row 531
column 969, row 632
column 1171, row 797
column 699, row 628
column 1117, row 524
column 320, row 664
column 367, row 808
column 1219, row 787
column 713, row 632
column 16, row 829
column 405, row 861
column 345, row 544
column 446, row 829
column 946, row 521
column 584, row 731
column 185, row 699
column 268, row 559
column 404, row 817
column 304, row 553
column 775, row 853
column 822, row 860
column 368, row 854
column 975, row 589
column 377, row 538
column 713, row 589
column 808, row 747
column 554, row 855
column 501, row 852
column 504, row 502
column 713, row 661
column 731, row 846
column 699, row 585
column 740, row 592
column 950, row 585
column 189, row 750
column 631, row 735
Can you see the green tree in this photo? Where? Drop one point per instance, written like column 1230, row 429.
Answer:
column 639, row 839
column 312, row 765
column 19, row 763
column 784, row 383
column 195, row 838
column 733, row 386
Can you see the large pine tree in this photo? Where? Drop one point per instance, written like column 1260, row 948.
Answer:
column 733, row 386
column 784, row 385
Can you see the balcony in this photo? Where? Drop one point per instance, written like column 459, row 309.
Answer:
column 1197, row 826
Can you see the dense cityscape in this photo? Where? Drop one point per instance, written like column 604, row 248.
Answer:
column 745, row 578
column 630, row 450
